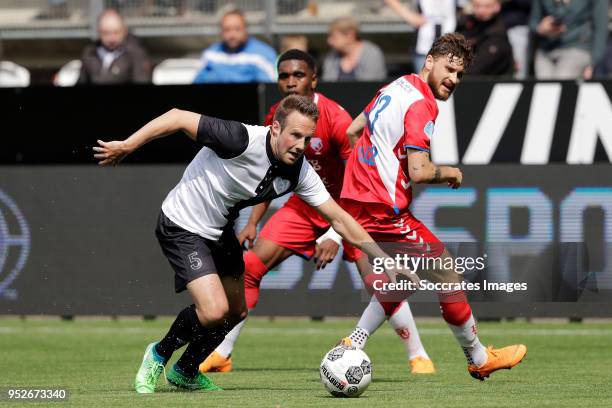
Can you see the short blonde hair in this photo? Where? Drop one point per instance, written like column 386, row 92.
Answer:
column 345, row 25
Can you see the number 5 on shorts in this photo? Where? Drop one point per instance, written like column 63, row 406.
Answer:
column 196, row 263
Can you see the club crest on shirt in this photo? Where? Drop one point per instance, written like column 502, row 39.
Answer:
column 367, row 155
column 429, row 129
column 316, row 144
column 281, row 185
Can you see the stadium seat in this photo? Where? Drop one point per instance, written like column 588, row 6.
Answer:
column 13, row 75
column 176, row 71
column 68, row 75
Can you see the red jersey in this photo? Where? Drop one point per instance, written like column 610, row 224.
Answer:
column 401, row 116
column 329, row 147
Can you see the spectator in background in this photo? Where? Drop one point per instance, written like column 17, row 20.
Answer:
column 117, row 57
column 486, row 32
column 352, row 58
column 238, row 57
column 293, row 42
column 515, row 14
column 433, row 19
column 571, row 37
column 604, row 68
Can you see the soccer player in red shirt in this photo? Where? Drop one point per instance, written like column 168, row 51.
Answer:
column 392, row 154
column 296, row 229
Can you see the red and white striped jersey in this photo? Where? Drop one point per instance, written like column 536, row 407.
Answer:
column 401, row 116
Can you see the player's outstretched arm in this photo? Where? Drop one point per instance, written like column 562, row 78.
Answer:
column 348, row 228
column 355, row 129
column 351, row 231
column 414, row 19
column 421, row 170
column 111, row 153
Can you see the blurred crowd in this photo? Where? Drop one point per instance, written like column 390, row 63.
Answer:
column 546, row 39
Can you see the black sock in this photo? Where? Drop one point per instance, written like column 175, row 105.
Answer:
column 185, row 328
column 200, row 348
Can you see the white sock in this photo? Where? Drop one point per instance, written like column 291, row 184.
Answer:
column 227, row 345
column 359, row 337
column 371, row 319
column 467, row 337
column 403, row 323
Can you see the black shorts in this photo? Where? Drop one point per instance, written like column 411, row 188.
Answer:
column 192, row 256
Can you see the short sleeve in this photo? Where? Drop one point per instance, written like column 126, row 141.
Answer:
column 341, row 122
column 226, row 138
column 310, row 188
column 419, row 125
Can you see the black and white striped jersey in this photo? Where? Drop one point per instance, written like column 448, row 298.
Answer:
column 235, row 169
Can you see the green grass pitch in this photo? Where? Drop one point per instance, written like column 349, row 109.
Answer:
column 276, row 365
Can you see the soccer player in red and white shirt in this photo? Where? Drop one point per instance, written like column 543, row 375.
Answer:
column 392, row 154
column 296, row 229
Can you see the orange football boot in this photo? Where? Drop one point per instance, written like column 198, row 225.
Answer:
column 422, row 365
column 216, row 363
column 497, row 359
column 346, row 342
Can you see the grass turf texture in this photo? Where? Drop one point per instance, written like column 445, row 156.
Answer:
column 276, row 365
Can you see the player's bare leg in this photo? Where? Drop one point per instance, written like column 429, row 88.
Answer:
column 400, row 318
column 234, row 291
column 264, row 256
column 458, row 315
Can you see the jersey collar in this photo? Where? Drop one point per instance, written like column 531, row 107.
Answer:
column 426, row 87
column 273, row 160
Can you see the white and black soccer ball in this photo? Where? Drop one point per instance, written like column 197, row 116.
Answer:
column 346, row 371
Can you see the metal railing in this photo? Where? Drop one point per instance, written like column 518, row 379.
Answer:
column 77, row 18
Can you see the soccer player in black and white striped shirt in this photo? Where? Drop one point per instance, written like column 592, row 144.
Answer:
column 238, row 166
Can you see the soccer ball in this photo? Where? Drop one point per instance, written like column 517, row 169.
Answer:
column 346, row 371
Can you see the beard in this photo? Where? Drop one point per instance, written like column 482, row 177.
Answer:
column 436, row 87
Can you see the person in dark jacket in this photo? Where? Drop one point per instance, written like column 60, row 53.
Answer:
column 604, row 68
column 571, row 37
column 486, row 32
column 116, row 57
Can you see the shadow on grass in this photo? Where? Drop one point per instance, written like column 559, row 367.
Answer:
column 390, row 380
column 263, row 388
column 260, row 369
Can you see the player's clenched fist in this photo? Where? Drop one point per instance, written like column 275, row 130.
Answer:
column 325, row 252
column 111, row 153
column 455, row 179
column 248, row 234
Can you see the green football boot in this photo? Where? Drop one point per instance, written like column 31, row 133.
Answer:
column 199, row 382
column 149, row 371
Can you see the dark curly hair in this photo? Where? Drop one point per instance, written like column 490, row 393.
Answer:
column 452, row 45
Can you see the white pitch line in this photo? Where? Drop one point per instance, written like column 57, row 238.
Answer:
column 302, row 331
column 434, row 331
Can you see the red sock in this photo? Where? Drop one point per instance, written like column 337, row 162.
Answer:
column 390, row 307
column 455, row 308
column 387, row 301
column 254, row 271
